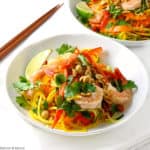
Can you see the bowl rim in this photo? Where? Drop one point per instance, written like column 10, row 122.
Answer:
column 125, row 42
column 61, row 132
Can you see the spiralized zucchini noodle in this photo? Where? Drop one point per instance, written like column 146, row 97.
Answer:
column 120, row 19
column 75, row 90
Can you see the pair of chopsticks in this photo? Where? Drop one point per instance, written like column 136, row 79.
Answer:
column 15, row 41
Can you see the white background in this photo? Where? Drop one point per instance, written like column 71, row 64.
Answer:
column 14, row 16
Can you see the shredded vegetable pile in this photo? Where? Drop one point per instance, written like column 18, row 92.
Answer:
column 75, row 90
column 120, row 19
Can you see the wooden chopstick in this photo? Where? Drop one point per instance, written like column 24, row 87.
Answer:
column 15, row 41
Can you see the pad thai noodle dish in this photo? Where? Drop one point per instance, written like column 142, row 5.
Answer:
column 120, row 19
column 75, row 90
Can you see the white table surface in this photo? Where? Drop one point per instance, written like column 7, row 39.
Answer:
column 14, row 131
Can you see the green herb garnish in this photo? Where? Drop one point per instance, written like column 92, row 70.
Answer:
column 130, row 85
column 22, row 102
column 60, row 79
column 78, row 87
column 45, row 105
column 70, row 79
column 109, row 25
column 65, row 48
column 87, row 87
column 121, row 22
column 118, row 85
column 114, row 108
column 115, row 11
column 70, row 107
column 72, row 89
column 83, row 60
column 86, row 114
column 23, row 84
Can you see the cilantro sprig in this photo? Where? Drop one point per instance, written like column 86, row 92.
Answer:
column 78, row 87
column 83, row 60
column 122, row 22
column 115, row 11
column 60, row 79
column 72, row 89
column 22, row 102
column 65, row 48
column 23, row 84
column 120, row 87
column 129, row 85
column 69, row 107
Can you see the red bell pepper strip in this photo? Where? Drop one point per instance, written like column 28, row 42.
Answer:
column 119, row 75
column 85, row 121
column 57, row 117
column 104, row 20
column 89, row 54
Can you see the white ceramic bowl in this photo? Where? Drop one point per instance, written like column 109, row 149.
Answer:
column 72, row 4
column 118, row 56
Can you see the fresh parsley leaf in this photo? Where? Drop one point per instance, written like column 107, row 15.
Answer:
column 23, row 84
column 22, row 102
column 23, row 79
column 66, row 106
column 65, row 48
column 121, row 22
column 87, row 87
column 45, row 105
column 83, row 60
column 115, row 11
column 130, row 85
column 70, row 79
column 109, row 25
column 60, row 79
column 72, row 89
column 117, row 84
column 75, row 106
column 114, row 108
column 86, row 114
column 78, row 87
column 70, row 107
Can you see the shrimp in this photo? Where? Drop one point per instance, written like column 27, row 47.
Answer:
column 96, row 19
column 36, row 75
column 117, row 97
column 53, row 66
column 93, row 101
column 131, row 4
